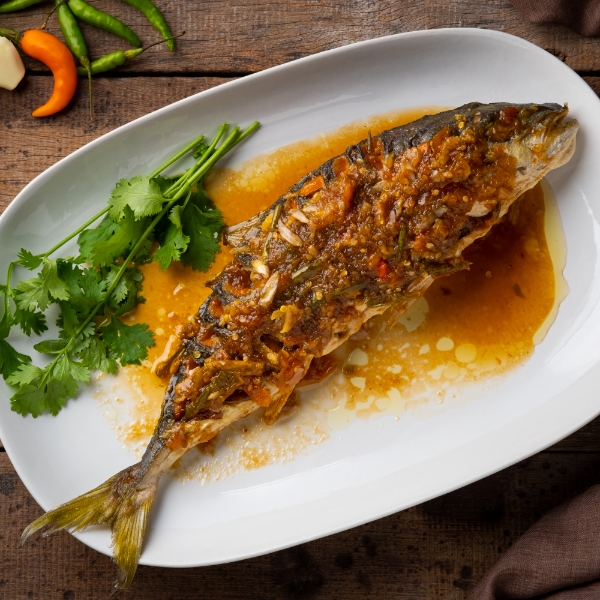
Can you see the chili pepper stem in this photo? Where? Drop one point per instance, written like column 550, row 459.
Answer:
column 11, row 34
column 85, row 62
column 45, row 23
column 129, row 54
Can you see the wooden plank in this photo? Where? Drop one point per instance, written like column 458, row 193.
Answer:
column 439, row 549
column 29, row 146
column 243, row 36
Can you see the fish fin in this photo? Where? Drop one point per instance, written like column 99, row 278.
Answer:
column 128, row 535
column 118, row 503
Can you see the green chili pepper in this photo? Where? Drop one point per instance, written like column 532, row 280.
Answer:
column 116, row 59
column 385, row 300
column 14, row 5
column 74, row 39
column 92, row 16
column 307, row 271
column 107, row 62
column 439, row 269
column 272, row 229
column 156, row 19
column 222, row 385
column 350, row 289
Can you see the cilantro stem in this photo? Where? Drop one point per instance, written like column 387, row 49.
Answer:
column 76, row 232
column 250, row 129
column 8, row 290
column 177, row 156
column 230, row 142
column 182, row 181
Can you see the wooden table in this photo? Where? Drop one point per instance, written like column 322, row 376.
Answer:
column 439, row 549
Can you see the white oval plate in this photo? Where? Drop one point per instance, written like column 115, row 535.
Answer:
column 371, row 469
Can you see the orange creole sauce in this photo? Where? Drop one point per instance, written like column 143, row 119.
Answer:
column 467, row 326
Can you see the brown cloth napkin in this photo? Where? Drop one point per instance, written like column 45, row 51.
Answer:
column 583, row 16
column 557, row 559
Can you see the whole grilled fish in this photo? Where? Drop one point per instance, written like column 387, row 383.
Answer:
column 368, row 230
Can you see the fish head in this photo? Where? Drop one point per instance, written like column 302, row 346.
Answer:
column 545, row 142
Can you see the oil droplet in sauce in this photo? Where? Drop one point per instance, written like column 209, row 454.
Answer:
column 469, row 327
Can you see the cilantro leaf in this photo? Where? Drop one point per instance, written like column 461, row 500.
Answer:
column 5, row 324
column 92, row 286
column 69, row 321
column 200, row 198
column 79, row 286
column 109, row 241
column 32, row 400
column 47, row 389
column 99, row 234
column 50, row 346
column 127, row 343
column 202, row 227
column 140, row 193
column 125, row 296
column 29, row 400
column 200, row 149
column 94, row 356
column 10, row 359
column 32, row 294
column 175, row 241
column 67, row 369
column 52, row 282
column 39, row 291
column 30, row 321
column 164, row 183
column 24, row 374
column 29, row 260
column 85, row 286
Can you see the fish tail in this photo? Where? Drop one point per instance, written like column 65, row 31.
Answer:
column 117, row 502
column 128, row 534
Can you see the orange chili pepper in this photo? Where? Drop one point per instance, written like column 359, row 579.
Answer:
column 54, row 54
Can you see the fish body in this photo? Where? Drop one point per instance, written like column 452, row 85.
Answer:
column 367, row 231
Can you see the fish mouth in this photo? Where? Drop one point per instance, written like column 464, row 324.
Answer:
column 555, row 135
column 549, row 144
column 559, row 142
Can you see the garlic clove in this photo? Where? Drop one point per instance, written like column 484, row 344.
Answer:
column 11, row 65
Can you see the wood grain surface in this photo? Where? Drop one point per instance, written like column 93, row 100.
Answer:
column 244, row 36
column 439, row 549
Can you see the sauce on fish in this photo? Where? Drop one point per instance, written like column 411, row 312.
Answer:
column 467, row 327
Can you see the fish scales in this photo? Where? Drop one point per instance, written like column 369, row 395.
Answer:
column 368, row 230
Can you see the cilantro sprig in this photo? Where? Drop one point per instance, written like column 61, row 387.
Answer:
column 147, row 218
